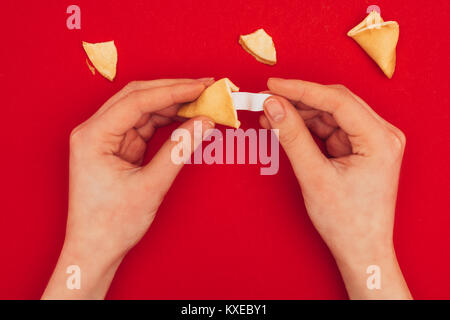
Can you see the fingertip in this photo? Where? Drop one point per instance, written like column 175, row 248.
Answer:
column 273, row 81
column 188, row 91
column 264, row 122
column 274, row 109
column 206, row 119
column 273, row 97
column 278, row 110
column 276, row 99
column 207, row 81
column 190, row 87
column 207, row 123
column 201, row 85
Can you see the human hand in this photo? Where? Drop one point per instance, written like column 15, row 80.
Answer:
column 351, row 196
column 112, row 198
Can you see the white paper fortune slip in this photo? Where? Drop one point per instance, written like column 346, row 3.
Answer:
column 249, row 101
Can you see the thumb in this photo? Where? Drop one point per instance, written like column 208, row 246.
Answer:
column 300, row 147
column 161, row 171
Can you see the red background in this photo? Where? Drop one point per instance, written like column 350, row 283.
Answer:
column 223, row 231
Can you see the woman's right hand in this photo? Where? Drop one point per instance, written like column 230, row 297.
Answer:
column 350, row 197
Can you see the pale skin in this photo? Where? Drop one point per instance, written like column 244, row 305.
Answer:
column 349, row 197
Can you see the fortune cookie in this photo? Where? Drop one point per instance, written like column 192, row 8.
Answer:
column 216, row 103
column 103, row 56
column 91, row 68
column 260, row 45
column 379, row 40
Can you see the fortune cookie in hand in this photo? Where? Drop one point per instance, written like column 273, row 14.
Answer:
column 216, row 103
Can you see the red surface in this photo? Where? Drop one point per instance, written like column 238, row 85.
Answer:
column 223, row 231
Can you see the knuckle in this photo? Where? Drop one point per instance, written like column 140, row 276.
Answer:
column 341, row 88
column 401, row 135
column 289, row 137
column 302, row 92
column 132, row 95
column 130, row 86
column 77, row 136
column 175, row 97
column 395, row 144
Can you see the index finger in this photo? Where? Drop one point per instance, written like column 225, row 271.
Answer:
column 147, row 84
column 349, row 114
column 125, row 113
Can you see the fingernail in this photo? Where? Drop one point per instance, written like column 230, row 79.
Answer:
column 274, row 109
column 205, row 79
column 207, row 125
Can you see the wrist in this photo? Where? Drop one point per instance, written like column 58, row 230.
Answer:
column 93, row 269
column 373, row 274
column 82, row 249
column 362, row 254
